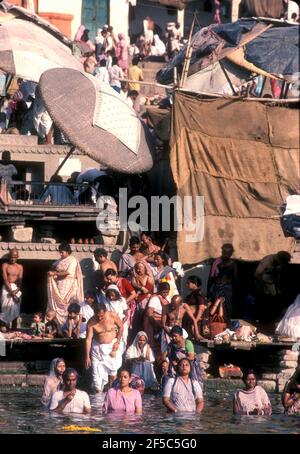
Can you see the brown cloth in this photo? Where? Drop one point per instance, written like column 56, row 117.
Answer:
column 243, row 157
column 262, row 8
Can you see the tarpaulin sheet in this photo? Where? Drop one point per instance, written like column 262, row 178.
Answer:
column 239, row 156
column 275, row 50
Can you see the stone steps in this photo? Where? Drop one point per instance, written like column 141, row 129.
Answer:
column 17, row 368
column 22, row 380
column 149, row 71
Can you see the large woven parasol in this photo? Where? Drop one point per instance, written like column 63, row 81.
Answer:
column 97, row 120
column 29, row 45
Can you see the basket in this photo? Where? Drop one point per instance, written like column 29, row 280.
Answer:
column 217, row 325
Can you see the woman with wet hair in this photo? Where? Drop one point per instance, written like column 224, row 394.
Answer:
column 54, row 380
column 124, row 398
column 291, row 394
column 182, row 394
column 253, row 400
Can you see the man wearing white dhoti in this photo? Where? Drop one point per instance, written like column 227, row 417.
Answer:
column 12, row 274
column 114, row 302
column 64, row 284
column 103, row 350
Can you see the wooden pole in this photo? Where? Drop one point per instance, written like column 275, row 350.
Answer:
column 212, row 96
column 188, row 55
column 59, row 167
column 175, row 78
column 71, row 151
column 227, row 77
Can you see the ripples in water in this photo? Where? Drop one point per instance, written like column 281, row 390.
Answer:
column 21, row 412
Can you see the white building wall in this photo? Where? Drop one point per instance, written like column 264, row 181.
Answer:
column 118, row 16
column 64, row 7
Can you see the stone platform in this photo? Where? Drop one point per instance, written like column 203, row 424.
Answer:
column 274, row 362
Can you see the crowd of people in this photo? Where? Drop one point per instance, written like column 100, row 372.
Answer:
column 139, row 332
column 109, row 58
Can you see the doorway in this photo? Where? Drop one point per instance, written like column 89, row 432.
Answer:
column 94, row 15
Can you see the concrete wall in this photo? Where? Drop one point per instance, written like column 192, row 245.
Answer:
column 52, row 160
column 118, row 12
column 64, row 7
column 118, row 16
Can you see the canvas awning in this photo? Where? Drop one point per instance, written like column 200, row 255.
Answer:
column 239, row 156
column 268, row 48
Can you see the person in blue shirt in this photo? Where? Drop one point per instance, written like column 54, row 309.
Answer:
column 58, row 192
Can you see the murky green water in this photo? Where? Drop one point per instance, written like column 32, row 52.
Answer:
column 21, row 412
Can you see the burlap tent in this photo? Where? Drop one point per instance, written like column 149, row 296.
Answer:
column 243, row 157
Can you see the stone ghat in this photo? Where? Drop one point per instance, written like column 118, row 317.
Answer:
column 273, row 362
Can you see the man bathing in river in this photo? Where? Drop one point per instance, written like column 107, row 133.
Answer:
column 12, row 274
column 103, row 353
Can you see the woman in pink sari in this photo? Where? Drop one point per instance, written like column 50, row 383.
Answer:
column 253, row 400
column 122, row 52
column 124, row 398
column 64, row 283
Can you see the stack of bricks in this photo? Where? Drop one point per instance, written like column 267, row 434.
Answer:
column 288, row 362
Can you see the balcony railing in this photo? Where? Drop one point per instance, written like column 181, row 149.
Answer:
column 53, row 194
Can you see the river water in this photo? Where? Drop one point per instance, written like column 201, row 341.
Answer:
column 21, row 412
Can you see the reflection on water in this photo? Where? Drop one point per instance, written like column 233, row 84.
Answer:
column 21, row 412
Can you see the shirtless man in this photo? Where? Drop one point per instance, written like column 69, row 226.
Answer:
column 104, row 263
column 104, row 333
column 12, row 274
column 173, row 314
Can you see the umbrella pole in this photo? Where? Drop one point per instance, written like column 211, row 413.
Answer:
column 72, row 149
column 59, row 167
column 8, row 81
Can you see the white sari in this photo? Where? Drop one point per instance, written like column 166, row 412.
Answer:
column 290, row 324
column 144, row 369
column 61, row 292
